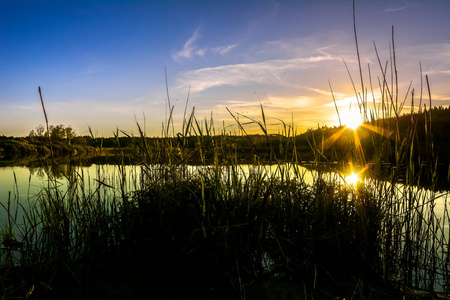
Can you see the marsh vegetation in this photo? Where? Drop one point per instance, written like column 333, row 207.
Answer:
column 215, row 231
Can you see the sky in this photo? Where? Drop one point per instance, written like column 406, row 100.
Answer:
column 103, row 64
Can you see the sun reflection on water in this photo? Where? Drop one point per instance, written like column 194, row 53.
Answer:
column 352, row 179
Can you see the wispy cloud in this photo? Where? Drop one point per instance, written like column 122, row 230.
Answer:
column 405, row 6
column 331, row 42
column 224, row 49
column 266, row 72
column 190, row 48
column 323, row 92
column 434, row 59
column 279, row 102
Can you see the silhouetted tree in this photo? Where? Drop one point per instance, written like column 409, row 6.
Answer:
column 69, row 133
column 40, row 130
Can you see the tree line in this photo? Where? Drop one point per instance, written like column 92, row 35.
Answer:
column 322, row 139
column 57, row 133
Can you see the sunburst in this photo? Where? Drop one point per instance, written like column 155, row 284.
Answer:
column 351, row 118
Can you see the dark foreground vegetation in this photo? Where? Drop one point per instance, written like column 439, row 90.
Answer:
column 217, row 232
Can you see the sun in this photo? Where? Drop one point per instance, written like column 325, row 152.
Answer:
column 351, row 118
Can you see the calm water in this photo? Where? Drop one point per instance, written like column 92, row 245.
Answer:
column 24, row 182
column 23, row 185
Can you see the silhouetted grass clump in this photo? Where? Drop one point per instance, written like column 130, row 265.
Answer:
column 223, row 227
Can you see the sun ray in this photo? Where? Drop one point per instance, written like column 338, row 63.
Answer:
column 379, row 130
column 330, row 141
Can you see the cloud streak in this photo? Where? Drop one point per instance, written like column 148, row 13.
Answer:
column 190, row 48
column 394, row 9
column 266, row 72
column 224, row 49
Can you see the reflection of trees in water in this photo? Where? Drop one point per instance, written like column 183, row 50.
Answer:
column 37, row 171
column 55, row 170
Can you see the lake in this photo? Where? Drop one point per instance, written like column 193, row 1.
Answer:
column 26, row 183
column 21, row 187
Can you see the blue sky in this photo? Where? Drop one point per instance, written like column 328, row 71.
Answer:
column 101, row 63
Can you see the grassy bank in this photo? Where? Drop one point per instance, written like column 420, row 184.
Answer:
column 12, row 148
